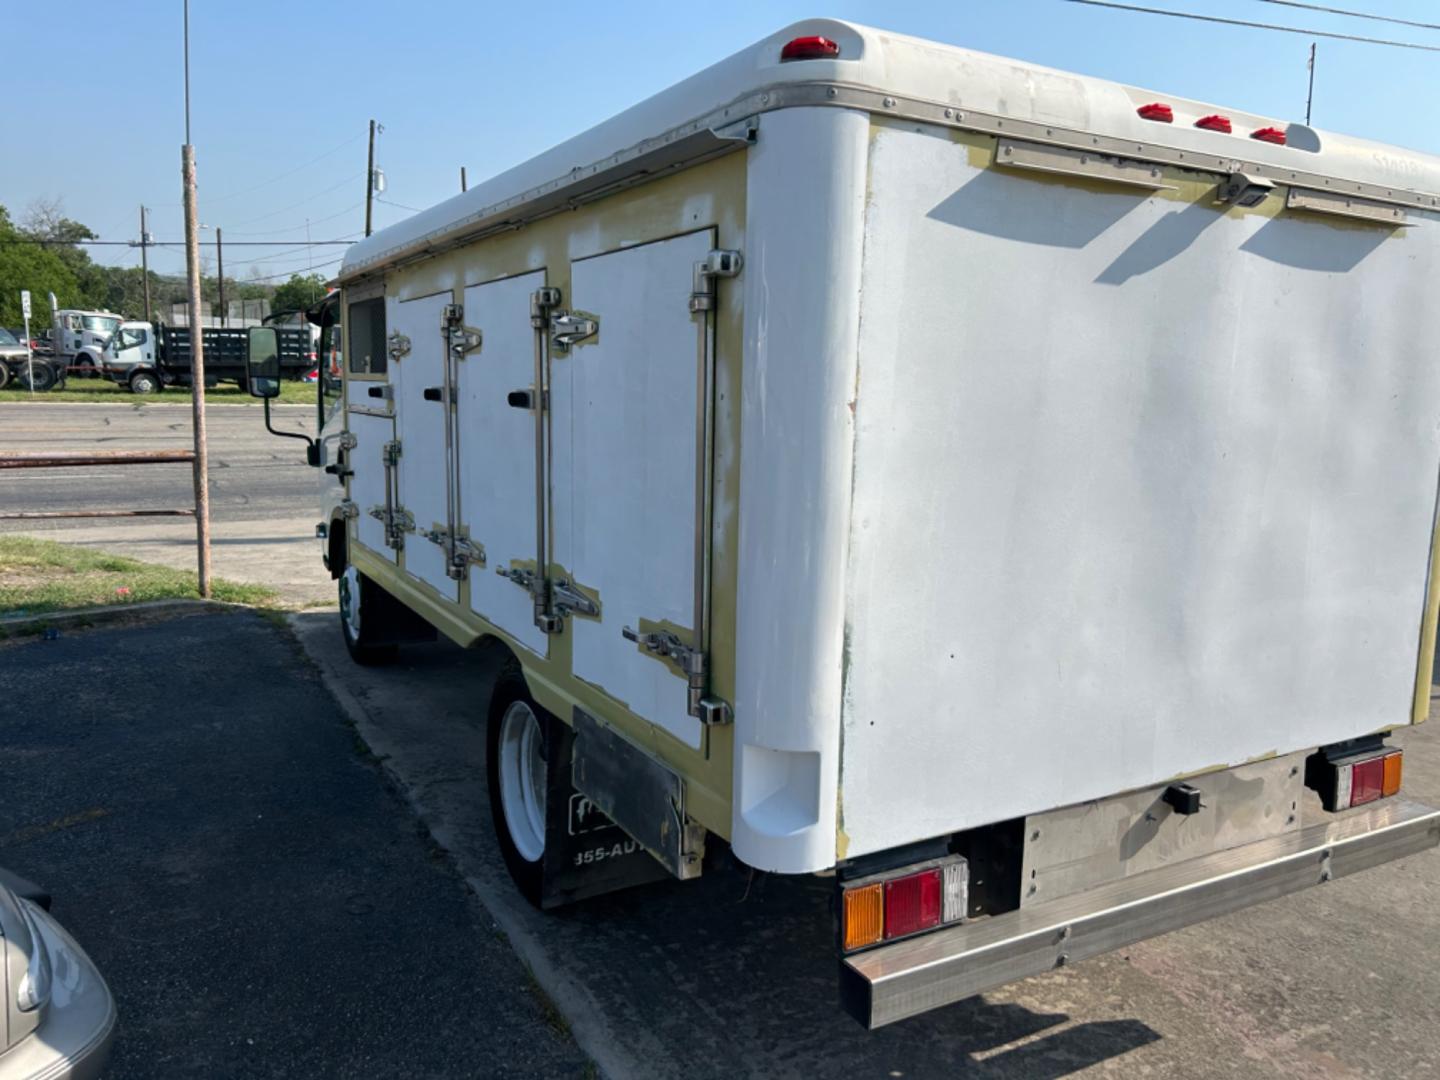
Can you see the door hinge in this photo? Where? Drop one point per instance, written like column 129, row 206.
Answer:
column 397, row 522
column 693, row 663
column 462, row 339
column 542, row 302
column 397, row 345
column 390, row 453
column 348, row 441
column 520, row 576
column 568, row 329
column 461, row 551
column 348, row 510
column 717, row 264
column 568, row 600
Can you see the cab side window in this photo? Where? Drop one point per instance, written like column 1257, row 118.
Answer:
column 367, row 337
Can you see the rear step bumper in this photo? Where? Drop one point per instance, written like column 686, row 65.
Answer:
column 911, row 977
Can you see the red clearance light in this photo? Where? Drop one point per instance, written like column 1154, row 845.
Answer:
column 1214, row 122
column 1156, row 111
column 912, row 903
column 1366, row 780
column 810, row 48
column 1270, row 135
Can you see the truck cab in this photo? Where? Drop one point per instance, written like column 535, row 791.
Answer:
column 79, row 336
column 128, row 356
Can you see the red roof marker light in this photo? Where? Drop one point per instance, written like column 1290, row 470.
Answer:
column 810, row 48
column 1270, row 135
column 1214, row 122
column 1156, row 111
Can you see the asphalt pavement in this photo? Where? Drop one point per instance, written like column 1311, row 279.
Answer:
column 264, row 499
column 734, row 976
column 258, row 897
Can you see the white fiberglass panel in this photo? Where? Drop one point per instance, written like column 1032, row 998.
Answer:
column 497, row 452
column 420, row 427
column 367, row 484
column 1142, row 487
column 623, row 430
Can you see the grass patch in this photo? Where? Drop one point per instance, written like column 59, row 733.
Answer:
column 38, row 577
column 98, row 390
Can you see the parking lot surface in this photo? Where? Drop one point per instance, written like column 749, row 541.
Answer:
column 264, row 499
column 258, row 898
column 733, row 975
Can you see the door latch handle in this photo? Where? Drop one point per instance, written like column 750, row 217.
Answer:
column 524, row 399
column 378, row 391
column 434, row 393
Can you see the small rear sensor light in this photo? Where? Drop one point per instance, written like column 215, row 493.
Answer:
column 864, row 916
column 1214, row 122
column 1270, row 135
column 1156, row 111
column 1393, row 768
column 810, row 48
column 1366, row 779
column 912, row 903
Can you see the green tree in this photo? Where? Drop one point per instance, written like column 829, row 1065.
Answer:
column 300, row 293
column 26, row 265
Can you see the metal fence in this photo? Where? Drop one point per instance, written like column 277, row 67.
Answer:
column 49, row 459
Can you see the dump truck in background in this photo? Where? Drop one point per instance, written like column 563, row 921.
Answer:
column 1009, row 492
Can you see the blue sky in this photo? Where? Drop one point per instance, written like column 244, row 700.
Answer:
column 282, row 92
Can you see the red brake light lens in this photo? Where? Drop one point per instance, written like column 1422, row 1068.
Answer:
column 1366, row 780
column 1214, row 122
column 912, row 903
column 810, row 48
column 1270, row 135
column 1156, row 111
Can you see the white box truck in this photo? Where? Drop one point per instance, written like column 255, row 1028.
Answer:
column 1009, row 492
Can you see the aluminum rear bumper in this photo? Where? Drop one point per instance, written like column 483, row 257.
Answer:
column 914, row 976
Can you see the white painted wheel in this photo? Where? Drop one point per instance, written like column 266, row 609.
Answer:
column 350, row 601
column 522, row 779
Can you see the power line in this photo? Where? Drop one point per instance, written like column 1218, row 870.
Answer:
column 1353, row 14
column 1257, row 25
column 302, row 202
column 400, row 206
column 303, row 225
column 291, row 172
column 163, row 243
column 288, row 273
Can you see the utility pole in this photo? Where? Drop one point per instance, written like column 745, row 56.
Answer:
column 197, row 339
column 145, row 264
column 463, row 186
column 370, row 178
column 1310, row 96
column 220, row 262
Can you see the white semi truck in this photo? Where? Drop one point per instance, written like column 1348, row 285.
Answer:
column 1009, row 492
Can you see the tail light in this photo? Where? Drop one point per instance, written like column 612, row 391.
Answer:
column 810, row 48
column 903, row 902
column 1350, row 778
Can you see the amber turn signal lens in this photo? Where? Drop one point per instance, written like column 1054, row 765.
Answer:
column 864, row 916
column 1390, row 784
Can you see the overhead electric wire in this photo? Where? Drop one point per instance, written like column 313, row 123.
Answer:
column 304, row 224
column 401, row 206
column 290, row 172
column 164, row 243
column 302, row 202
column 1353, row 14
column 1256, row 25
column 287, row 273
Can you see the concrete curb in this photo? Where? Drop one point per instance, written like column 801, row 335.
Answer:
column 110, row 613
column 587, row 1023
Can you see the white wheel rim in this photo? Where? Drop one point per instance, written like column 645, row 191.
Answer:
column 522, row 780
column 350, row 601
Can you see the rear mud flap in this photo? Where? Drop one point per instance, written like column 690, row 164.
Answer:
column 586, row 854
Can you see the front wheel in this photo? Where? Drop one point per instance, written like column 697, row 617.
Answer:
column 359, row 635
column 517, row 769
column 85, row 368
column 144, row 382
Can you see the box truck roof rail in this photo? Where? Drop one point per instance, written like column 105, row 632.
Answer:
column 862, row 68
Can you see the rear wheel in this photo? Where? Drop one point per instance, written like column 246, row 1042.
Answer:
column 517, row 768
column 360, row 635
column 44, row 376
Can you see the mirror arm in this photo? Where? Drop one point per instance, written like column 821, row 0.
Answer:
column 312, row 451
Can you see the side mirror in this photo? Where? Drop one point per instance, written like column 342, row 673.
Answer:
column 262, row 362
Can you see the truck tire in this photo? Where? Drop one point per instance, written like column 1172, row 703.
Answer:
column 44, row 379
column 85, row 368
column 144, row 382
column 518, row 737
column 359, row 635
column 4, row 374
